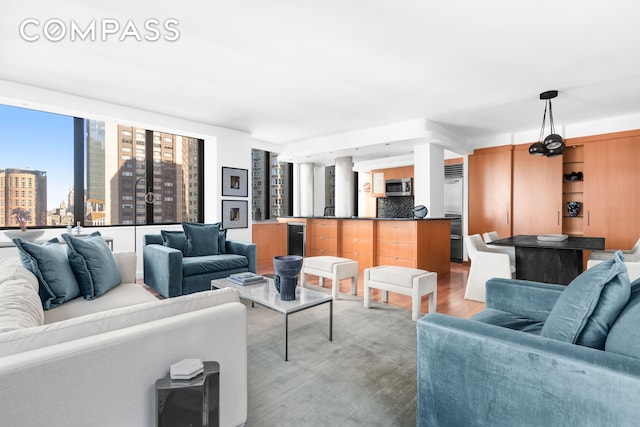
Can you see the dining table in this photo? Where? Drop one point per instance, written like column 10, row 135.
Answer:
column 550, row 261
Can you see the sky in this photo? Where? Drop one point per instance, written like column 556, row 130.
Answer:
column 41, row 141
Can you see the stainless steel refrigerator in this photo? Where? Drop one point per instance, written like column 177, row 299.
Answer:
column 453, row 188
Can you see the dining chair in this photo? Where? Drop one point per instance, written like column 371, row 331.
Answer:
column 632, row 255
column 490, row 236
column 486, row 263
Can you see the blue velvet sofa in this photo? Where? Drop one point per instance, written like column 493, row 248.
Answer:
column 170, row 270
column 538, row 355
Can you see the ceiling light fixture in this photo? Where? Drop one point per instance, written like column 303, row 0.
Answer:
column 553, row 145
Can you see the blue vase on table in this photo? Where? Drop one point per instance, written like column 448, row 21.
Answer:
column 285, row 278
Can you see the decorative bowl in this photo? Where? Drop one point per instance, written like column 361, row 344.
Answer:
column 29, row 235
column 552, row 237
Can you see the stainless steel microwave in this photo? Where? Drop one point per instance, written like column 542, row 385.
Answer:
column 398, row 187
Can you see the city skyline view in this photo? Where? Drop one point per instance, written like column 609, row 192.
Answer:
column 37, row 171
column 39, row 141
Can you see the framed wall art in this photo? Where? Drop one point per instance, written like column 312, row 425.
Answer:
column 234, row 214
column 235, row 182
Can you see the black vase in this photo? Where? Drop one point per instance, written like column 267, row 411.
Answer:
column 285, row 278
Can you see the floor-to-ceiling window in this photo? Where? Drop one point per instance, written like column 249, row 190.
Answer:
column 64, row 170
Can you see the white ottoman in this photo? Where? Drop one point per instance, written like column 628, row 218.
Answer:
column 402, row 280
column 331, row 267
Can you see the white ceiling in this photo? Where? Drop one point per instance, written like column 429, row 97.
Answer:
column 288, row 71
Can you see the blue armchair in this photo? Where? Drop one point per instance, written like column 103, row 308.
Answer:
column 171, row 273
column 500, row 369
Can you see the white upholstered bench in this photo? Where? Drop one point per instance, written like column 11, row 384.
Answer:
column 331, row 267
column 402, row 280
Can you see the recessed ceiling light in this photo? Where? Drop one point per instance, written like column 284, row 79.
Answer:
column 357, row 148
column 387, row 143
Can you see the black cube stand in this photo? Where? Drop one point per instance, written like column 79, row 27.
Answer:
column 189, row 403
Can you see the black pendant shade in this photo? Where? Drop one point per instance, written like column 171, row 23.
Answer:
column 553, row 144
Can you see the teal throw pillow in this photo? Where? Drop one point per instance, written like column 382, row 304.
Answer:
column 49, row 263
column 174, row 239
column 590, row 305
column 93, row 263
column 202, row 239
column 624, row 336
column 222, row 241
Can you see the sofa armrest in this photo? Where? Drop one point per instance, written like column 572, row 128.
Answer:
column 472, row 373
column 126, row 261
column 163, row 269
column 243, row 248
column 532, row 300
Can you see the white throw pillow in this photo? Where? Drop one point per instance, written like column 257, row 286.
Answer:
column 20, row 305
column 12, row 268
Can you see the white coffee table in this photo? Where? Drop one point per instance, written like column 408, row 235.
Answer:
column 266, row 295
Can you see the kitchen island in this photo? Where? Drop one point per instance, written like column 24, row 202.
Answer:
column 416, row 243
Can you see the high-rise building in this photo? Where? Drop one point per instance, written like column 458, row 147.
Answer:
column 95, row 160
column 270, row 180
column 27, row 189
column 190, row 173
column 174, row 182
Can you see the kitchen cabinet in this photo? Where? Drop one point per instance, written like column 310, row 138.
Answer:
column 611, row 189
column 271, row 240
column 322, row 237
column 490, row 190
column 357, row 241
column 537, row 193
column 423, row 244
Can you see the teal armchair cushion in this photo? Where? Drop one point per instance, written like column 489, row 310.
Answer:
column 508, row 320
column 202, row 239
column 624, row 336
column 590, row 305
column 174, row 239
column 178, row 240
column 49, row 263
column 93, row 264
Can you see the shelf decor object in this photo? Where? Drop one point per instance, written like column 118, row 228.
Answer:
column 235, row 182
column 573, row 176
column 553, row 144
column 573, row 208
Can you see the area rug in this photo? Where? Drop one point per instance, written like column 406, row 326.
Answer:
column 365, row 377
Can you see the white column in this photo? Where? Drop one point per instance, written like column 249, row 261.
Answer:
column 344, row 187
column 428, row 178
column 306, row 189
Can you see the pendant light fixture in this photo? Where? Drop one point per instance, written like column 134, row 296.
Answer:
column 552, row 145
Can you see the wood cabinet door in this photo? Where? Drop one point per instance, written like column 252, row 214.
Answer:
column 490, row 190
column 537, row 193
column 612, row 191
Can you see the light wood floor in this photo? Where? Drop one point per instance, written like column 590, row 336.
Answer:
column 450, row 292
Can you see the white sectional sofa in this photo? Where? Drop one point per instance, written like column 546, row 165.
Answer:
column 95, row 363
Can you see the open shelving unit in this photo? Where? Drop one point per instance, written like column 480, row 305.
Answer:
column 573, row 161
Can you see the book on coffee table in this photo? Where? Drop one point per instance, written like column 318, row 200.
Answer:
column 246, row 278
